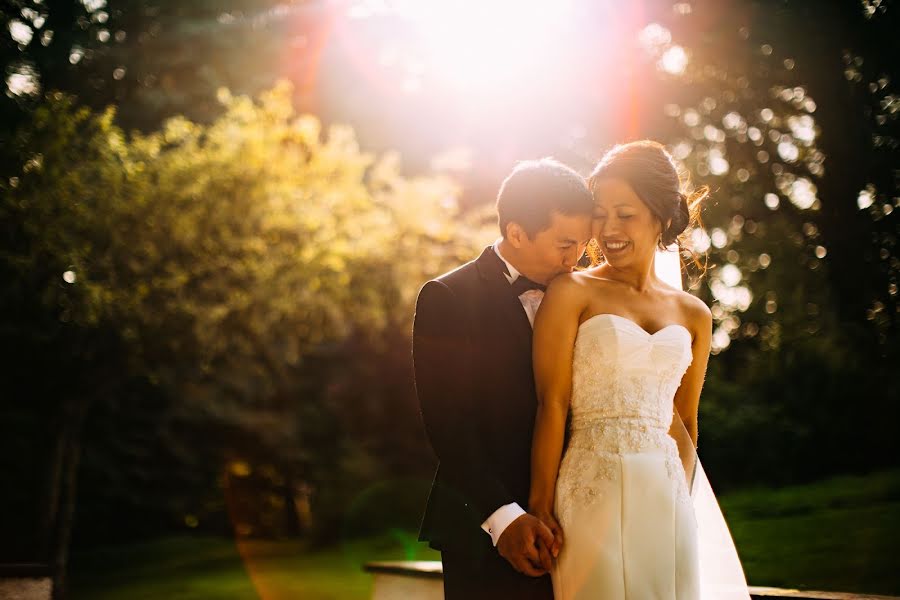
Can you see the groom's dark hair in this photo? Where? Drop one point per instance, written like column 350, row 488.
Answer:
column 538, row 188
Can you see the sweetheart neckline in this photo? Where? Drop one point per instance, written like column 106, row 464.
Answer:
column 638, row 327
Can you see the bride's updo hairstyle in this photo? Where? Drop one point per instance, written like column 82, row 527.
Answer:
column 653, row 175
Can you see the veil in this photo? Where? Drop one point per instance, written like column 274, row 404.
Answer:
column 721, row 573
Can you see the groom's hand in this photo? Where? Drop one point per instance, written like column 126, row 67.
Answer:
column 524, row 544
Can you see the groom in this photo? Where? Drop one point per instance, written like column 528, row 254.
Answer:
column 474, row 380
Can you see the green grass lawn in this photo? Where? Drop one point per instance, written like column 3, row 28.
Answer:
column 191, row 568
column 841, row 534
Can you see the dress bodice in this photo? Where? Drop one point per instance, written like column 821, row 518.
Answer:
column 624, row 381
column 621, row 371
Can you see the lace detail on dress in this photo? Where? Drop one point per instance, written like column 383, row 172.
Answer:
column 623, row 385
column 593, row 457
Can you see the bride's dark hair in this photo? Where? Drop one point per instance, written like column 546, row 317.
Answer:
column 653, row 175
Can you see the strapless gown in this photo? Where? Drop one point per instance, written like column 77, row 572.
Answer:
column 622, row 495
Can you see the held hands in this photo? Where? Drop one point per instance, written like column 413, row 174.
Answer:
column 527, row 543
column 550, row 521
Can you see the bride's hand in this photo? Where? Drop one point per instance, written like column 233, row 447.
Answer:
column 550, row 521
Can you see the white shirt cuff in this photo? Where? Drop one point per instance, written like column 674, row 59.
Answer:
column 497, row 523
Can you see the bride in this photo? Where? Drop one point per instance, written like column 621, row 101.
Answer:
column 626, row 354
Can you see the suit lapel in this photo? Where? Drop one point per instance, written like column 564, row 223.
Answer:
column 509, row 308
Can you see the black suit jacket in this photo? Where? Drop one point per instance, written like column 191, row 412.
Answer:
column 474, row 380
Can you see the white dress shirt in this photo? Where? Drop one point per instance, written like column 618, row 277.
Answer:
column 500, row 519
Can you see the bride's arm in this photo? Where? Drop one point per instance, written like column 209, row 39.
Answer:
column 555, row 328
column 687, row 398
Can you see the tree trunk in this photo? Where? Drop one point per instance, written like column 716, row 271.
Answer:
column 50, row 509
column 60, row 507
column 827, row 31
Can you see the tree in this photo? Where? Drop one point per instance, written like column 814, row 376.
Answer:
column 768, row 105
column 211, row 261
column 156, row 59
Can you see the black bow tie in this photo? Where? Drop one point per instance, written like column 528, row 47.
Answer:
column 522, row 284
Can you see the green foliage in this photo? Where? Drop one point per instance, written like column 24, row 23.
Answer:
column 257, row 233
column 226, row 265
column 131, row 52
column 785, row 111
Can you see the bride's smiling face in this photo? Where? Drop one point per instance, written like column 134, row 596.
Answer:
column 624, row 227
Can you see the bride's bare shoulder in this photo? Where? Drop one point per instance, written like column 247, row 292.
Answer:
column 696, row 311
column 570, row 289
column 578, row 282
column 565, row 284
column 592, row 279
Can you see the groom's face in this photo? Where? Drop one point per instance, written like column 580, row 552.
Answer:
column 556, row 249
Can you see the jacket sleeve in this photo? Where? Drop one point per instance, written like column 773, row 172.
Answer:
column 441, row 357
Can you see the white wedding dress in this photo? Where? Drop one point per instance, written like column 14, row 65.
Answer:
column 635, row 525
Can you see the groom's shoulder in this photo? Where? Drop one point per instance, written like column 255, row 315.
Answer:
column 459, row 279
column 449, row 293
column 457, row 291
column 462, row 275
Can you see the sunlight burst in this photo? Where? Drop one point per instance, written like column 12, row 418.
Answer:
column 473, row 44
